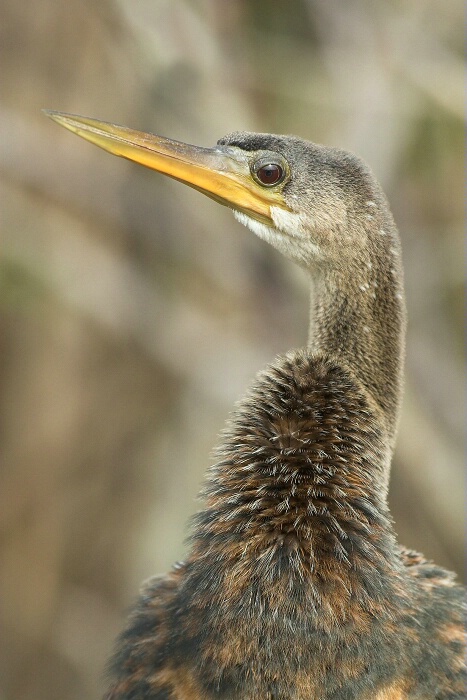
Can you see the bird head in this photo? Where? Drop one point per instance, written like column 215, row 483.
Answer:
column 290, row 192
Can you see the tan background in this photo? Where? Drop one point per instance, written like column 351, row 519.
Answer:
column 134, row 312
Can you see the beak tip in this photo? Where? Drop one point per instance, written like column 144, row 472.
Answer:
column 52, row 114
column 55, row 116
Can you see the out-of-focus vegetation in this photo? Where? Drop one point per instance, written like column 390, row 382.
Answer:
column 134, row 312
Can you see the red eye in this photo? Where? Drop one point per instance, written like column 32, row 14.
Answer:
column 269, row 174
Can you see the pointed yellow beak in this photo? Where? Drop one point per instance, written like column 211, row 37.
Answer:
column 222, row 173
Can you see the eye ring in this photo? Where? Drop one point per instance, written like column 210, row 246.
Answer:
column 268, row 172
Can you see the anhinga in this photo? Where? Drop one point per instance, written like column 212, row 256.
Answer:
column 294, row 587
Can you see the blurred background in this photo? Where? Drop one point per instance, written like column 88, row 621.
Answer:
column 134, row 312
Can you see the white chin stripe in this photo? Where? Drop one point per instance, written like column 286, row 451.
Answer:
column 262, row 230
column 292, row 243
column 267, row 233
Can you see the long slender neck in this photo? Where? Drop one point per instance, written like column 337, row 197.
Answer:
column 358, row 318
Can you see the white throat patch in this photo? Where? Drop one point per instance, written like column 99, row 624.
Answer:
column 288, row 234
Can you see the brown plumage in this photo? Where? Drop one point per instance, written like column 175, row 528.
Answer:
column 294, row 587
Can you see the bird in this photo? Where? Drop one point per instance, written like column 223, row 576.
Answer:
column 294, row 586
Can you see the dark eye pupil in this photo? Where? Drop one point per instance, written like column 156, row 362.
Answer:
column 269, row 174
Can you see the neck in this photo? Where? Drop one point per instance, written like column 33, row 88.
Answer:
column 358, row 319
